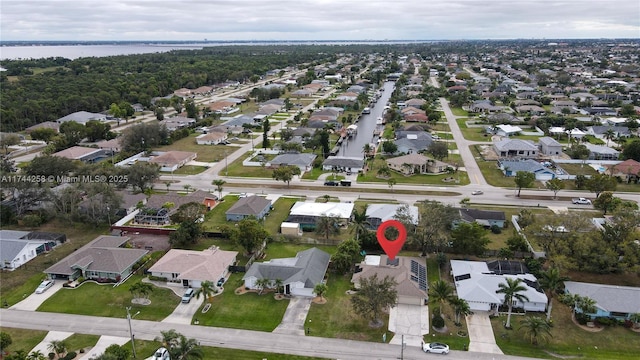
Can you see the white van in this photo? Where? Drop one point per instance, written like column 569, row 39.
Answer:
column 186, row 298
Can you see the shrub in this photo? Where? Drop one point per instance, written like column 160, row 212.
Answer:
column 51, row 355
column 496, row 229
column 582, row 319
column 157, row 278
column 70, row 355
column 605, row 321
column 32, row 220
column 437, row 321
column 81, row 279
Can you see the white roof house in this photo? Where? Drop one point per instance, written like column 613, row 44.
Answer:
column 506, row 129
column 379, row 213
column 339, row 210
column 477, row 284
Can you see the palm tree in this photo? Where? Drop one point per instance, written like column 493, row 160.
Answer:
column 360, row 223
column 512, row 291
column 384, row 171
column 186, row 349
column 278, row 283
column 218, row 183
column 58, row 346
column 586, row 305
column 261, row 283
column 327, row 225
column 440, row 291
column 169, row 338
column 141, row 289
column 207, row 289
column 187, row 187
column 391, row 182
column 461, row 308
column 536, row 328
column 551, row 281
column 609, row 135
column 320, row 289
column 635, row 319
column 36, row 355
column 366, row 149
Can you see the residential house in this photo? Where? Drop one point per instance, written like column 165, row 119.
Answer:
column 192, row 268
column 413, row 142
column 503, row 118
column 416, row 164
column 486, row 218
column 516, row 148
column 82, row 117
column 112, row 146
column 601, row 131
column 104, row 259
column 600, row 152
column 347, row 96
column 256, row 206
column 612, row 301
column 303, row 161
column 182, row 92
column 419, row 118
column 44, row 125
column 173, row 160
column 343, row 163
column 507, row 130
column 84, row 154
column 19, row 247
column 628, row 171
column 269, row 109
column 212, row 138
column 128, row 204
column 156, row 211
column 302, row 93
column 484, row 106
column 177, row 123
column 477, row 284
column 222, row 106
column 415, row 103
column 549, row 146
column 511, row 168
column 307, row 213
column 409, row 273
column 378, row 213
column 299, row 275
column 530, row 109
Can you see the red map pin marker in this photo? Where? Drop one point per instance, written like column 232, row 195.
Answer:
column 391, row 247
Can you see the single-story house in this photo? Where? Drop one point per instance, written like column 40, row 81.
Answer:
column 84, row 154
column 614, row 301
column 409, row 273
column 628, row 171
column 113, row 145
column 173, row 160
column 104, row 259
column 156, row 213
column 211, row 138
column 192, row 268
column 303, row 161
column 601, row 152
column 256, row 206
column 343, row 163
column 515, row 148
column 549, row 146
column 19, row 247
column 44, row 125
column 486, row 218
column 378, row 213
column 82, row 117
column 477, row 284
column 178, row 122
column 416, row 164
column 511, row 168
column 413, row 144
column 299, row 274
column 601, row 131
column 530, row 109
column 127, row 206
column 308, row 213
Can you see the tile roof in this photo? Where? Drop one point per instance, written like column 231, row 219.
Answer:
column 195, row 265
column 76, row 152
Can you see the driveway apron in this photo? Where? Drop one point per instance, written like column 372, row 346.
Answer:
column 294, row 317
column 481, row 337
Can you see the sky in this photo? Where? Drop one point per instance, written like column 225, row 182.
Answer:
column 228, row 20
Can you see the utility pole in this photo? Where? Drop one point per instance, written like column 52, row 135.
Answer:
column 133, row 346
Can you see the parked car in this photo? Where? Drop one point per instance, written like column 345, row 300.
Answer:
column 221, row 281
column 477, row 192
column 161, row 354
column 331, row 183
column 581, row 201
column 436, row 348
column 186, row 298
column 44, row 286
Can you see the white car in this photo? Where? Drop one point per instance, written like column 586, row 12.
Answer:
column 44, row 286
column 161, row 354
column 436, row 348
column 477, row 192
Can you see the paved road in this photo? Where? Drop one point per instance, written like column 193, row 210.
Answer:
column 226, row 338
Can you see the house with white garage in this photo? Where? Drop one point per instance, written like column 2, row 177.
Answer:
column 409, row 273
column 516, row 148
column 379, row 213
column 191, row 268
column 19, row 247
column 211, row 138
column 256, row 206
column 615, row 301
column 307, row 213
column 299, row 274
column 477, row 283
column 512, row 167
column 549, row 146
column 343, row 163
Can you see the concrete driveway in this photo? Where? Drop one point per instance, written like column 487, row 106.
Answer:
column 103, row 343
column 412, row 321
column 43, row 346
column 183, row 313
column 294, row 317
column 481, row 338
column 33, row 301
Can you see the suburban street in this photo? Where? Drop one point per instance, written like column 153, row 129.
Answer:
column 226, row 338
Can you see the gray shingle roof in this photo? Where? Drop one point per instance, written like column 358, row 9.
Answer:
column 610, row 298
column 309, row 268
column 251, row 205
column 348, row 162
column 522, row 165
column 549, row 141
column 476, row 214
column 515, row 144
column 300, row 160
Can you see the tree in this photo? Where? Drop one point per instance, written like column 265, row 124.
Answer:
column 285, row 173
column 278, row 284
column 261, row 283
column 441, row 292
column 536, row 328
column 438, row 149
column 327, row 225
column 265, row 133
column 159, row 112
column 346, row 256
column 44, row 134
column 218, row 183
column 48, row 165
column 601, row 182
column 206, row 290
column 632, row 150
column 432, row 231
column 323, row 140
column 391, row 182
column 320, row 289
column 609, row 135
column 360, row 225
column 512, row 289
column 37, row 355
column 469, row 238
column 168, row 338
column 5, row 341
column 554, row 185
column 59, row 347
column 552, row 282
column 389, row 147
column 97, row 130
column 524, row 179
column 141, row 290
column 606, row 202
column 8, row 140
column 145, row 136
column 73, row 132
column 366, row 149
column 191, row 109
column 142, row 175
column 384, row 171
column 186, row 349
column 460, row 307
column 373, row 296
column 117, row 352
column 249, row 234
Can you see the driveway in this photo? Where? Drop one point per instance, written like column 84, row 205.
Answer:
column 412, row 321
column 103, row 343
column 43, row 346
column 481, row 338
column 33, row 301
column 294, row 317
column 183, row 313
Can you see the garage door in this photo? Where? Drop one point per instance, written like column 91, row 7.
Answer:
column 544, row 176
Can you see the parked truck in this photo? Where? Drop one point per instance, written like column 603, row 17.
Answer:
column 581, row 201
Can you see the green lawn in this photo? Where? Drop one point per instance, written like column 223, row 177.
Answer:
column 578, row 169
column 23, row 339
column 76, row 342
column 472, row 134
column 106, row 300
column 459, row 112
column 313, row 174
column 206, row 153
column 278, row 250
column 188, row 170
column 567, row 339
column 217, row 216
column 238, row 170
column 370, row 176
column 336, row 318
column 249, row 311
column 279, row 214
